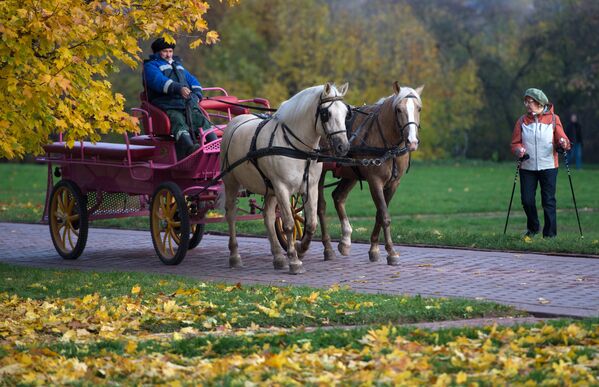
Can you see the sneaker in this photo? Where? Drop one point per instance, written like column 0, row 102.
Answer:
column 529, row 234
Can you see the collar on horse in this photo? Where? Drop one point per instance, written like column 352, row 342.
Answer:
column 388, row 151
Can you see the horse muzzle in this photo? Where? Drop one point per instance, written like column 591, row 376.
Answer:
column 339, row 145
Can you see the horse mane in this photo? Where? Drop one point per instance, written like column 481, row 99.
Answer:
column 403, row 92
column 296, row 106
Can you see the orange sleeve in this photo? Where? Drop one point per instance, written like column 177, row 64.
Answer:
column 559, row 133
column 517, row 136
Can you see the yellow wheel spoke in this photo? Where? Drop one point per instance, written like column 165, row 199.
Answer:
column 164, row 242
column 59, row 201
column 170, row 244
column 63, row 238
column 176, row 237
column 70, row 239
column 71, row 204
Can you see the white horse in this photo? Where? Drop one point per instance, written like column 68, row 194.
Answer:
column 297, row 126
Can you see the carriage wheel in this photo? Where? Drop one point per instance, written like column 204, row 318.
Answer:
column 68, row 219
column 196, row 234
column 169, row 223
column 297, row 209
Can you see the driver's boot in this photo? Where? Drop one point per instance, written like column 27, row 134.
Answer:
column 185, row 146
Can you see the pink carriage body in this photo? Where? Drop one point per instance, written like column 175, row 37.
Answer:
column 118, row 180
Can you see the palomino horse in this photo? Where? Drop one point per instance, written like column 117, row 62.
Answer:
column 388, row 130
column 296, row 127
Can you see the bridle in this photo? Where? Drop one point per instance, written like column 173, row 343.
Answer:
column 402, row 128
column 324, row 114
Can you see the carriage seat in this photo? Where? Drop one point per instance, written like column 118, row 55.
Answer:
column 220, row 104
column 105, row 150
column 161, row 125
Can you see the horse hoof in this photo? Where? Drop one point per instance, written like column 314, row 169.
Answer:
column 329, row 255
column 280, row 264
column 392, row 260
column 300, row 253
column 373, row 256
column 235, row 262
column 296, row 268
column 344, row 249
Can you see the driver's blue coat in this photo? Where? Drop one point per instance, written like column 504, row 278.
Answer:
column 164, row 82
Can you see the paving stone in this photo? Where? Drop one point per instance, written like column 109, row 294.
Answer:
column 570, row 284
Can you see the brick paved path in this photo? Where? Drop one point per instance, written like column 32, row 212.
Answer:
column 534, row 282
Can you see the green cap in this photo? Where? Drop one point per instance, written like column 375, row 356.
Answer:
column 537, row 95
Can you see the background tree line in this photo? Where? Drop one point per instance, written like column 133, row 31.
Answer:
column 475, row 58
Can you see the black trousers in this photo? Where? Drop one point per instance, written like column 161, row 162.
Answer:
column 547, row 179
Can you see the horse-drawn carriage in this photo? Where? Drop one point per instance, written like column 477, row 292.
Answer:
column 278, row 157
column 141, row 176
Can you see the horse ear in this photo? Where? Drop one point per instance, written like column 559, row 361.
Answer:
column 396, row 87
column 327, row 88
column 343, row 89
column 419, row 90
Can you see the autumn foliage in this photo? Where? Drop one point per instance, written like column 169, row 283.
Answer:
column 55, row 56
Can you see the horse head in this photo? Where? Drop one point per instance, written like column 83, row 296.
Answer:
column 407, row 105
column 331, row 113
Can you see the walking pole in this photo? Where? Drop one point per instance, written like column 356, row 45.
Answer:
column 520, row 160
column 573, row 197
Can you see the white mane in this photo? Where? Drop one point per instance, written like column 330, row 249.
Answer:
column 297, row 106
column 403, row 92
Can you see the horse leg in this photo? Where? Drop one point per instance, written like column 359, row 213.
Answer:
column 310, row 209
column 231, row 189
column 392, row 255
column 279, row 260
column 329, row 253
column 339, row 196
column 295, row 265
column 382, row 217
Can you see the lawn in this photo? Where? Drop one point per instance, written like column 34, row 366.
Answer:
column 67, row 327
column 444, row 203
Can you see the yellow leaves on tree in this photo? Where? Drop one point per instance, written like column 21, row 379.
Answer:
column 56, row 54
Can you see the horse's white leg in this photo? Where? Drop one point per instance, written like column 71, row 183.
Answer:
column 279, row 260
column 310, row 209
column 392, row 255
column 339, row 196
column 295, row 265
column 329, row 253
column 231, row 189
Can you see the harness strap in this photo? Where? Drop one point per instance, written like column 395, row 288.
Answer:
column 254, row 161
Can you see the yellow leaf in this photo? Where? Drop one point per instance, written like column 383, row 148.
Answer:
column 136, row 289
column 276, row 361
column 131, row 347
column 461, row 377
column 313, row 297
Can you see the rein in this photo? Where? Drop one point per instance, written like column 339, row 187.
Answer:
column 242, row 105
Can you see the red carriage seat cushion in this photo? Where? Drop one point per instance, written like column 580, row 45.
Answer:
column 216, row 104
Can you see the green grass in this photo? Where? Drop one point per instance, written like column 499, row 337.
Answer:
column 441, row 203
column 237, row 305
column 53, row 334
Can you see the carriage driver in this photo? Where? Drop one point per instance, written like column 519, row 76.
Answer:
column 170, row 87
